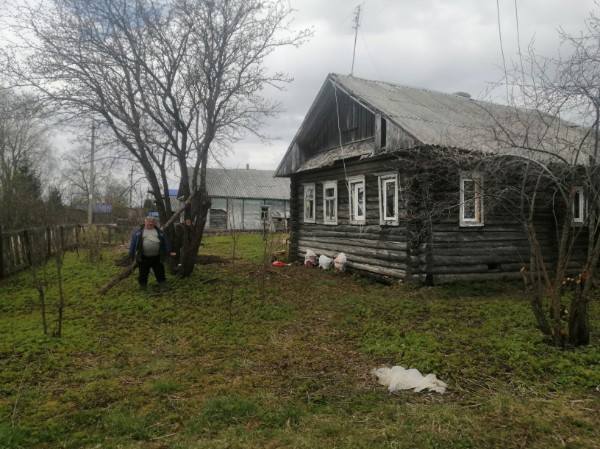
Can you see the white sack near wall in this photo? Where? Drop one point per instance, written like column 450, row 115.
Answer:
column 340, row 262
column 325, row 262
column 400, row 378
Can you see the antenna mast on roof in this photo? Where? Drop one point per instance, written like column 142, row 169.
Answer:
column 355, row 27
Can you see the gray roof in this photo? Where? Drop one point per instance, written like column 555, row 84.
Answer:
column 451, row 120
column 242, row 183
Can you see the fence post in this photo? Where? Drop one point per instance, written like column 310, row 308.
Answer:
column 28, row 247
column 48, row 242
column 61, row 235
column 1, row 253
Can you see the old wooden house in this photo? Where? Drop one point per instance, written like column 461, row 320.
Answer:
column 244, row 200
column 354, row 166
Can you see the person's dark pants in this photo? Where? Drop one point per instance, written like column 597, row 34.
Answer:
column 145, row 264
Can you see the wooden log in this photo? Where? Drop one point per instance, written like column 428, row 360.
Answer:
column 478, row 268
column 402, row 265
column 486, row 258
column 362, row 243
column 445, row 278
column 124, row 274
column 367, row 252
column 397, row 273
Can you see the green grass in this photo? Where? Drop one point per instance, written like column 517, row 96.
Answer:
column 291, row 367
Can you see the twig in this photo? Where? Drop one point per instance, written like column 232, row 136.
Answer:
column 164, row 436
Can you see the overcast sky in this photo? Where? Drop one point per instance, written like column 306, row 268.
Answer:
column 445, row 45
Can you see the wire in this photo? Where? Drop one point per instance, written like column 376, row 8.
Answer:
column 519, row 43
column 339, row 126
column 502, row 50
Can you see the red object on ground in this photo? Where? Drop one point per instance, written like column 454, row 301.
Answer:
column 279, row 264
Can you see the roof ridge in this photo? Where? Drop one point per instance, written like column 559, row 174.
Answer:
column 406, row 86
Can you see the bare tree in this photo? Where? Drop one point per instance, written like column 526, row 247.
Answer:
column 23, row 150
column 560, row 170
column 541, row 170
column 170, row 79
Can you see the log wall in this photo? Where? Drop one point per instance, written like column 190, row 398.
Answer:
column 441, row 252
column 382, row 250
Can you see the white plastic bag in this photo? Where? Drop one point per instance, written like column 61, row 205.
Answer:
column 340, row 262
column 325, row 262
column 400, row 378
column 310, row 258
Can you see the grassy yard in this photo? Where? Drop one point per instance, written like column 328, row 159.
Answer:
column 291, row 367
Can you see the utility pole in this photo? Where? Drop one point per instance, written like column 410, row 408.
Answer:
column 92, row 176
column 355, row 27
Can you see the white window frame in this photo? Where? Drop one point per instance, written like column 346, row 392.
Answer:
column 582, row 207
column 383, row 179
column 330, row 185
column 314, row 202
column 353, row 204
column 477, row 178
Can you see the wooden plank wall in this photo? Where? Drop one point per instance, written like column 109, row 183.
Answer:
column 356, row 123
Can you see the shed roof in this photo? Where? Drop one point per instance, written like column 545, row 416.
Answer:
column 246, row 183
column 449, row 120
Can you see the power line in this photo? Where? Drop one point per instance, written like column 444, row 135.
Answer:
column 519, row 43
column 355, row 27
column 502, row 50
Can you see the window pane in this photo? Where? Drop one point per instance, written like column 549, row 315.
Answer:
column 329, row 192
column 577, row 205
column 308, row 202
column 390, row 197
column 360, row 200
column 330, row 209
column 469, row 199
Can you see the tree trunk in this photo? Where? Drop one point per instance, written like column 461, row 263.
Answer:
column 193, row 233
column 579, row 322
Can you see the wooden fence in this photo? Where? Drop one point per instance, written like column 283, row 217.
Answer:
column 19, row 249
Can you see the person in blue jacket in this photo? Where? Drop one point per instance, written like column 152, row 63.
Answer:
column 149, row 247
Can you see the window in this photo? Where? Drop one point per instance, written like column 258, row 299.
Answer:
column 579, row 205
column 356, row 187
column 383, row 132
column 471, row 199
column 264, row 213
column 309, row 203
column 330, row 202
column 388, row 199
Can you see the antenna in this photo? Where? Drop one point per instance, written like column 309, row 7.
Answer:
column 355, row 27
